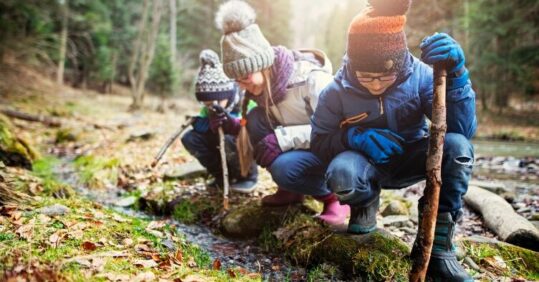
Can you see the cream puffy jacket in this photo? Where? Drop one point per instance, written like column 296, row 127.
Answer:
column 295, row 111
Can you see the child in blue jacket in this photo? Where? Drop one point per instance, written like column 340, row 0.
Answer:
column 370, row 125
column 221, row 98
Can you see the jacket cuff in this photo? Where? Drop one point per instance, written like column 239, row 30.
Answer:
column 455, row 81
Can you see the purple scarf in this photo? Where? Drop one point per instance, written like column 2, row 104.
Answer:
column 281, row 70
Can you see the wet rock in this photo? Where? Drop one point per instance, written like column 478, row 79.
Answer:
column 395, row 207
column 534, row 216
column 395, row 220
column 54, row 210
column 519, row 205
column 535, row 223
column 524, row 210
column 143, row 135
column 186, row 170
column 126, row 202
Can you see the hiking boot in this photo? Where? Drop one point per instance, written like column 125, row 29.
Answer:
column 282, row 198
column 363, row 219
column 443, row 264
column 243, row 186
column 334, row 213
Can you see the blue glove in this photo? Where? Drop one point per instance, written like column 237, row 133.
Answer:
column 378, row 144
column 201, row 124
column 441, row 47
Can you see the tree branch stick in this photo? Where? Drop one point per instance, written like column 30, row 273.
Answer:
column 224, row 166
column 434, row 177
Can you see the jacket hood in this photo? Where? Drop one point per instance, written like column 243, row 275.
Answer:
column 346, row 76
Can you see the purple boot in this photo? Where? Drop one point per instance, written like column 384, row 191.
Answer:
column 334, row 213
column 282, row 198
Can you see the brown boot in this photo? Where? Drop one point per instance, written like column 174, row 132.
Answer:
column 282, row 198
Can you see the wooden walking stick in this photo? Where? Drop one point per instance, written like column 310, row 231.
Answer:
column 171, row 139
column 225, row 167
column 438, row 127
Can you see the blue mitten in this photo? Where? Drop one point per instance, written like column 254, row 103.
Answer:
column 378, row 144
column 201, row 124
column 441, row 47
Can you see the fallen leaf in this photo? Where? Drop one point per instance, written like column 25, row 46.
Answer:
column 119, row 218
column 77, row 234
column 127, row 242
column 145, row 276
column 254, row 275
column 216, row 264
column 156, row 233
column 142, row 248
column 57, row 237
column 89, row 246
column 145, row 263
column 114, row 277
column 231, row 273
column 194, row 278
column 25, row 231
column 191, row 263
column 43, row 218
column 156, row 224
column 16, row 215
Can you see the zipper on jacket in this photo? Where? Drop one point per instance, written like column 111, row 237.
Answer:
column 381, row 105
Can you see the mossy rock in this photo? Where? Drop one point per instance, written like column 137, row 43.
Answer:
column 14, row 151
column 377, row 256
column 520, row 262
column 251, row 219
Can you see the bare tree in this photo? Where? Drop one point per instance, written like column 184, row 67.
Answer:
column 63, row 43
column 144, row 50
column 173, row 33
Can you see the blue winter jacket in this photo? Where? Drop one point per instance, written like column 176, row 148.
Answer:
column 403, row 108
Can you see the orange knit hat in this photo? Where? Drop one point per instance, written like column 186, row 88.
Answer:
column 376, row 39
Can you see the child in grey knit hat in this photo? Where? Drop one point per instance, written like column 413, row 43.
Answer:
column 221, row 97
column 285, row 84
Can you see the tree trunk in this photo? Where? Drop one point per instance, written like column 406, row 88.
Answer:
column 135, row 57
column 173, row 33
column 63, row 44
column 147, row 53
column 425, row 236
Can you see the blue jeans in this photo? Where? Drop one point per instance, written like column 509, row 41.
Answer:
column 298, row 171
column 357, row 181
column 205, row 148
column 301, row 172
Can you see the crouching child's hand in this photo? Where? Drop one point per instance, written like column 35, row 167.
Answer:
column 378, row 144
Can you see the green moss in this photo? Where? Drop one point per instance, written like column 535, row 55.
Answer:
column 384, row 259
column 185, row 212
column 14, row 151
column 6, row 236
column 64, row 135
column 324, row 272
column 520, row 261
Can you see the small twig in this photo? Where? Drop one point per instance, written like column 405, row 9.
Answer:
column 170, row 140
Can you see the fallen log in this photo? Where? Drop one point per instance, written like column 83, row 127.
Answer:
column 33, row 118
column 500, row 217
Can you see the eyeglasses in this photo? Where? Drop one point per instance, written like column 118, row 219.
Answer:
column 380, row 78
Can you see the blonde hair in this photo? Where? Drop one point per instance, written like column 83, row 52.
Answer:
column 244, row 146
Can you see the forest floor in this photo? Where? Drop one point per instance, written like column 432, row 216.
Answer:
column 83, row 221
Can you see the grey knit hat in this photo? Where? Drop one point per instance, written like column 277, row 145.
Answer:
column 244, row 48
column 212, row 84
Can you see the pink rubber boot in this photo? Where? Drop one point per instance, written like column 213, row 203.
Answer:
column 282, row 198
column 334, row 213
